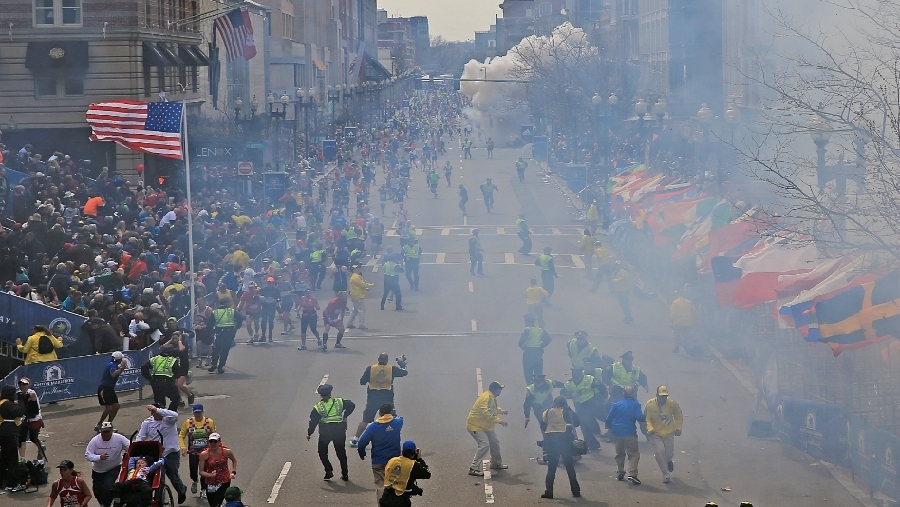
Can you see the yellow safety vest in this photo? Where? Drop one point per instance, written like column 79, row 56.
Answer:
column 623, row 378
column 541, row 398
column 381, row 377
column 390, row 268
column 331, row 414
column 162, row 366
column 553, row 418
column 582, row 391
column 412, row 251
column 519, row 225
column 350, row 233
column 396, row 474
column 579, row 357
column 316, row 256
column 224, row 317
column 535, row 337
column 544, row 262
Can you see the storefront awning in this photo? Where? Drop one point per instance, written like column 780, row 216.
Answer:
column 319, row 64
column 70, row 55
column 168, row 54
column 192, row 56
column 374, row 70
column 152, row 56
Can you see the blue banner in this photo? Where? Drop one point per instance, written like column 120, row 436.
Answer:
column 79, row 377
column 819, row 429
column 329, row 149
column 275, row 186
column 527, row 133
column 18, row 316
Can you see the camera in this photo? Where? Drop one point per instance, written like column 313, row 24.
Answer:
column 401, row 361
column 416, row 491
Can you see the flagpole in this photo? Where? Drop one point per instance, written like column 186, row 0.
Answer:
column 187, row 173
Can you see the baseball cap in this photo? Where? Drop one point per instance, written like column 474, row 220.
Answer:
column 172, row 319
column 662, row 391
column 215, row 436
column 117, row 356
column 233, row 493
column 106, row 426
column 580, row 334
column 324, row 389
column 496, row 385
column 409, row 445
column 66, row 464
column 627, row 355
column 25, row 380
column 198, row 408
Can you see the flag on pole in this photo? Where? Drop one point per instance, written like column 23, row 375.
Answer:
column 148, row 127
column 237, row 34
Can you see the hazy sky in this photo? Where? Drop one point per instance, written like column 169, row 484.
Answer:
column 451, row 19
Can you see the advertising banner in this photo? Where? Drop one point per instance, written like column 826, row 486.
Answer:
column 527, row 133
column 275, row 184
column 18, row 316
column 329, row 149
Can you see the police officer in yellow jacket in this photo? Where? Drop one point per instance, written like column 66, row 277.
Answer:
column 623, row 374
column 392, row 270
column 539, row 396
column 588, row 393
column 581, row 352
column 557, row 425
column 524, row 234
column 412, row 254
column 532, row 342
column 160, row 371
column 548, row 270
column 330, row 416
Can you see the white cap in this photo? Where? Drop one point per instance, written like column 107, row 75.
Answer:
column 215, row 436
column 117, row 355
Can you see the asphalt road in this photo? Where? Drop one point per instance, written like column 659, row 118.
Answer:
column 459, row 333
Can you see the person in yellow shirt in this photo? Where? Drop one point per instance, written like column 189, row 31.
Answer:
column 34, row 352
column 604, row 262
column 240, row 258
column 586, row 249
column 593, row 216
column 664, row 423
column 483, row 418
column 621, row 285
column 358, row 288
column 535, row 297
column 682, row 317
column 194, row 439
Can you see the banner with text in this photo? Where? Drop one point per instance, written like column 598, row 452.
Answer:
column 18, row 316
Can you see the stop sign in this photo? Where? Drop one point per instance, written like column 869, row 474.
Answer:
column 245, row 168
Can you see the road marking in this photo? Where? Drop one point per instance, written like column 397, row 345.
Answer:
column 445, row 232
column 391, row 232
column 441, row 257
column 471, row 286
column 556, row 232
column 474, row 325
column 465, row 220
column 478, row 379
column 322, row 383
column 501, row 230
column 576, row 259
column 418, row 232
column 509, row 258
column 373, row 261
column 488, row 485
column 277, row 487
column 375, row 268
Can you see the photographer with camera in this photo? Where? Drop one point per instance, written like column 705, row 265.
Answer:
column 380, row 378
column 401, row 474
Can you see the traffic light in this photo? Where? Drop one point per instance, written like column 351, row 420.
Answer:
column 163, row 180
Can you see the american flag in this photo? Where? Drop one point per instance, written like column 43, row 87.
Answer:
column 148, row 127
column 237, row 33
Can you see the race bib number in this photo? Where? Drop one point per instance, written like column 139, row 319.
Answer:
column 212, row 488
column 199, row 443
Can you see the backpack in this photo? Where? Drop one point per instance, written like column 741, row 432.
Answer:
column 45, row 345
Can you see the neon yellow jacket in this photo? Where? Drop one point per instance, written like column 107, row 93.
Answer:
column 682, row 312
column 485, row 413
column 663, row 419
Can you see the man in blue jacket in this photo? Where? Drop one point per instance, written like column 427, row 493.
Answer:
column 622, row 421
column 384, row 434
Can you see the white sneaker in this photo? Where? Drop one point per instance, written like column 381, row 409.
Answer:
column 666, row 479
column 354, row 442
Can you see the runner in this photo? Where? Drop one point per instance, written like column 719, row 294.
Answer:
column 333, row 316
column 309, row 318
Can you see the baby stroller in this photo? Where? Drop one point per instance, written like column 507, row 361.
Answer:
column 133, row 493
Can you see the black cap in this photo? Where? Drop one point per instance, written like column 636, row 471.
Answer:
column 66, row 464
column 580, row 334
column 627, row 355
column 325, row 389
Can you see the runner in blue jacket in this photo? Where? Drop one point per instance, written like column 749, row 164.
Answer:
column 384, row 434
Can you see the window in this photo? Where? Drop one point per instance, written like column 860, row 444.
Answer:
column 49, row 87
column 287, row 26
column 529, row 13
column 545, row 9
column 492, row 43
column 57, row 12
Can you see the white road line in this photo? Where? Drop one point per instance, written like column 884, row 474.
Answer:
column 471, row 286
column 501, row 230
column 375, row 268
column 391, row 232
column 418, row 232
column 556, row 231
column 441, row 257
column 478, row 380
column 474, row 325
column 445, row 232
column 373, row 261
column 576, row 259
column 488, row 485
column 509, row 258
column 322, row 383
column 277, row 487
column 465, row 220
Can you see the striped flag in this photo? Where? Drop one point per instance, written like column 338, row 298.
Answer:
column 148, row 127
column 237, row 33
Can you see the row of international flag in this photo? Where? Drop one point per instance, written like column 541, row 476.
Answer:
column 846, row 302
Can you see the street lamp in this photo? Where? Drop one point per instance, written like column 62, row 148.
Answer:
column 276, row 117
column 333, row 97
column 640, row 109
column 820, row 131
column 659, row 109
column 305, row 100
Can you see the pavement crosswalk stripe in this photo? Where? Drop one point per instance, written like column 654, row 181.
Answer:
column 501, row 230
column 471, row 286
column 556, row 232
column 277, row 487
column 509, row 258
column 372, row 262
column 441, row 257
column 474, row 325
column 576, row 259
column 322, row 383
column 445, row 231
column 418, row 232
column 465, row 220
column 488, row 485
column 478, row 380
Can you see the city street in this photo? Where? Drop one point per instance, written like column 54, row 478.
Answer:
column 460, row 333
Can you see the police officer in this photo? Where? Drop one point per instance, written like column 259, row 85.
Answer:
column 224, row 329
column 539, row 396
column 330, row 415
column 392, row 270
column 316, row 269
column 521, row 165
column 548, row 270
column 624, row 374
column 487, row 191
column 476, row 257
column 557, row 424
column 524, row 234
column 412, row 253
column 532, row 342
column 581, row 352
column 588, row 393
column 160, row 371
column 380, row 378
